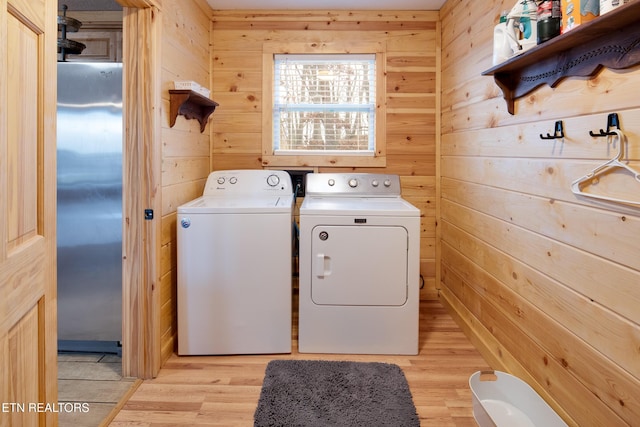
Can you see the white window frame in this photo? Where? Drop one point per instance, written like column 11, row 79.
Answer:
column 273, row 158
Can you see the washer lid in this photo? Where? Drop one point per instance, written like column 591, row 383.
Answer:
column 370, row 206
column 245, row 205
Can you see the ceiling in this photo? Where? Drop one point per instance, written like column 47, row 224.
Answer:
column 326, row 4
column 279, row 4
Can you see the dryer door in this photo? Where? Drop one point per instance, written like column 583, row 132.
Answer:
column 359, row 265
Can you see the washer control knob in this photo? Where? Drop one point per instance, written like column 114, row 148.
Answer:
column 331, row 182
column 353, row 183
column 233, row 180
column 375, row 183
column 273, row 180
column 387, row 183
column 221, row 180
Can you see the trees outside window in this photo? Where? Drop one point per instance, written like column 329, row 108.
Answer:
column 324, row 103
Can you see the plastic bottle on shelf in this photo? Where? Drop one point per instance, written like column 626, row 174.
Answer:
column 501, row 49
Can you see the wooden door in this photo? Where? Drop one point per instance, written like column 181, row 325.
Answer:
column 28, row 353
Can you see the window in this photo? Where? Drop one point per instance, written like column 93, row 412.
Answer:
column 323, row 108
column 324, row 103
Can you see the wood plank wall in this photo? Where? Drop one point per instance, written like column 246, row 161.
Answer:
column 411, row 96
column 545, row 283
column 185, row 151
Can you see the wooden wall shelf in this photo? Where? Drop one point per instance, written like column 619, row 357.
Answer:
column 191, row 105
column 611, row 40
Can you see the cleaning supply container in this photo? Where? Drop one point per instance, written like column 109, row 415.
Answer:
column 608, row 5
column 549, row 20
column 502, row 400
column 501, row 49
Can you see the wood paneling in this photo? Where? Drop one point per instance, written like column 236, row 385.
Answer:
column 544, row 282
column 238, row 41
column 164, row 41
column 22, row 139
column 186, row 151
column 23, row 368
column 141, row 177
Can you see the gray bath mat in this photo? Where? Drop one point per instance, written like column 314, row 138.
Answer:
column 310, row 393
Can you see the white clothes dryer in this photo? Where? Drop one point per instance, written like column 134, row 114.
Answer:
column 359, row 266
column 234, row 265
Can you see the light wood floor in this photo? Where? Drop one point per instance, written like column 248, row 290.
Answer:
column 224, row 390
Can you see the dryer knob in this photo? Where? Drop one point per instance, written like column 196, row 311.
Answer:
column 233, row 180
column 221, row 180
column 387, row 183
column 375, row 183
column 331, row 182
column 353, row 183
column 273, row 180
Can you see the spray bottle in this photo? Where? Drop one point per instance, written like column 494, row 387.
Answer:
column 521, row 26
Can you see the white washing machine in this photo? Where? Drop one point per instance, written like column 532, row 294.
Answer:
column 359, row 266
column 234, row 265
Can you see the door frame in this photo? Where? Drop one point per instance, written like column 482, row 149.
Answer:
column 142, row 156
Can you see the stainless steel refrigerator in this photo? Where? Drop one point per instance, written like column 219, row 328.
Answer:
column 89, row 135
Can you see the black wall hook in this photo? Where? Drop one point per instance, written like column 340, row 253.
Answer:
column 612, row 122
column 558, row 132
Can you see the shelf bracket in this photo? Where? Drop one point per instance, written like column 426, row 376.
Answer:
column 191, row 105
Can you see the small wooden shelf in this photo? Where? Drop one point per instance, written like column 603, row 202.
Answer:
column 191, row 105
column 611, row 40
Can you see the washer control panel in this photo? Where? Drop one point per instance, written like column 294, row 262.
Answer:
column 249, row 182
column 353, row 184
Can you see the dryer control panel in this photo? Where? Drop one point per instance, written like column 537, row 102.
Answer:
column 248, row 182
column 353, row 184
